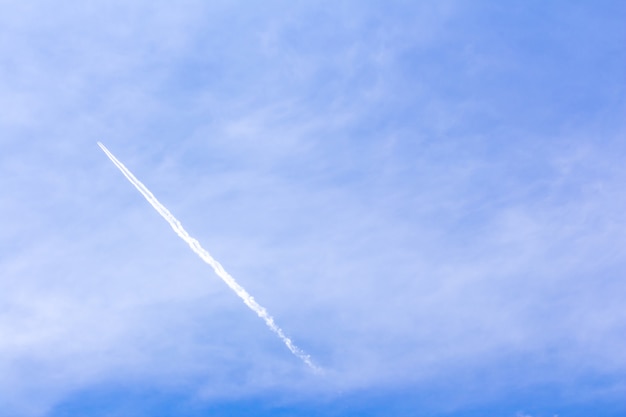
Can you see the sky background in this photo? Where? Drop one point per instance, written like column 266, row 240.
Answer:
column 428, row 197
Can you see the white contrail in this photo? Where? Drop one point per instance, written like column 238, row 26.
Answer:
column 206, row 257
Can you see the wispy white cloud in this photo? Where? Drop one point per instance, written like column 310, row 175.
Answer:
column 390, row 181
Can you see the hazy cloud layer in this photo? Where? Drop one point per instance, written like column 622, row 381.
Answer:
column 428, row 198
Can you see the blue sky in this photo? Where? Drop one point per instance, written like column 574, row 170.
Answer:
column 427, row 197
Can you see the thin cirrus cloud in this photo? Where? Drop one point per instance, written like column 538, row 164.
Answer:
column 427, row 198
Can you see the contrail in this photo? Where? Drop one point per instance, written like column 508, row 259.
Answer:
column 206, row 257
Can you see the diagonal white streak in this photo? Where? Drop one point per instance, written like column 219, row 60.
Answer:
column 206, row 257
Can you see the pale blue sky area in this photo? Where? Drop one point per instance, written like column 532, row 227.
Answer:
column 426, row 196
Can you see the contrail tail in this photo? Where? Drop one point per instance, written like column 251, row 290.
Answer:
column 206, row 257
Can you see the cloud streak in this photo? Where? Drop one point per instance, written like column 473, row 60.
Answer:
column 206, row 257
